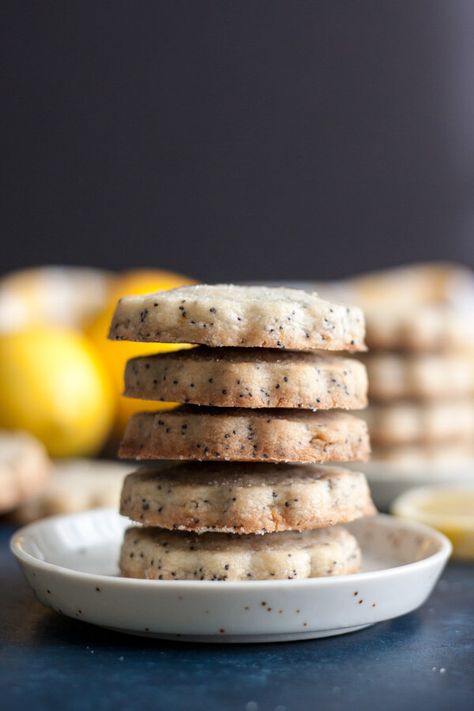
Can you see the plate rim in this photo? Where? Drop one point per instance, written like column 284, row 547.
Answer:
column 440, row 557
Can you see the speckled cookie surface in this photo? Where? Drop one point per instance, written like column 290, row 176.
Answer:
column 175, row 555
column 199, row 433
column 243, row 497
column 24, row 469
column 424, row 376
column 407, row 422
column 423, row 328
column 242, row 316
column 249, row 377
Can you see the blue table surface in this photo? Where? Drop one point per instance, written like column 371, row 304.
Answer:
column 423, row 660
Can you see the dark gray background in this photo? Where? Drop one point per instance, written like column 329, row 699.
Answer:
column 237, row 140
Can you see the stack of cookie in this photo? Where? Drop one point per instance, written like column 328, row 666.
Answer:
column 251, row 499
column 421, row 407
column 421, row 385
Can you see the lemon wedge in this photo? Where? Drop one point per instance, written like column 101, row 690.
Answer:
column 448, row 508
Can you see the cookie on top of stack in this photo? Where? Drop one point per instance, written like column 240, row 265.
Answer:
column 243, row 493
column 421, row 363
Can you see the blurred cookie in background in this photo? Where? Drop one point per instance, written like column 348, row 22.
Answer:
column 422, row 376
column 52, row 296
column 24, row 469
column 430, row 457
column 76, row 485
column 424, row 284
column 403, row 423
column 423, row 308
column 420, row 334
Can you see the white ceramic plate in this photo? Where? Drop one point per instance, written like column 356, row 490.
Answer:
column 388, row 480
column 70, row 562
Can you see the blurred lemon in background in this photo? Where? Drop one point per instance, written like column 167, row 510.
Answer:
column 116, row 353
column 60, row 378
column 54, row 385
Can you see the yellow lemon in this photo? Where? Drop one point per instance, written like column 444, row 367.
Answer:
column 449, row 508
column 116, row 353
column 53, row 384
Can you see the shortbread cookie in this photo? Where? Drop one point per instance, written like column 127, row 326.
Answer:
column 245, row 435
column 248, row 377
column 451, row 454
column 24, row 468
column 424, row 328
column 406, row 422
column 76, row 485
column 228, row 315
column 424, row 376
column 419, row 284
column 175, row 555
column 243, row 497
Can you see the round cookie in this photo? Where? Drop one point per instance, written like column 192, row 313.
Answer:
column 76, row 485
column 424, row 376
column 243, row 497
column 436, row 328
column 200, row 433
column 449, row 454
column 24, row 468
column 248, row 316
column 175, row 555
column 407, row 422
column 247, row 377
